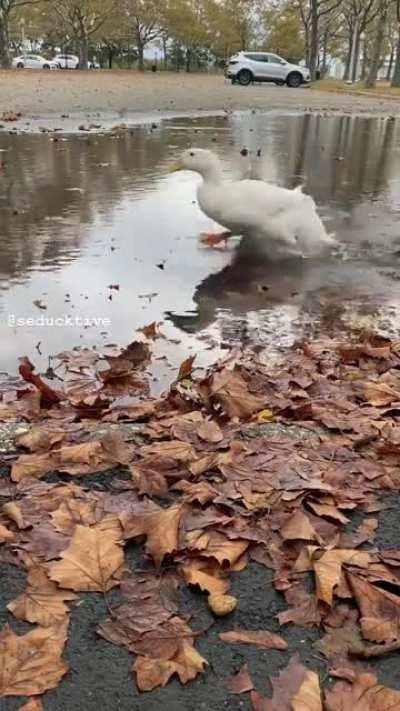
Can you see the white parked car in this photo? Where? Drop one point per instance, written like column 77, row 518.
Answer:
column 71, row 61
column 246, row 67
column 66, row 61
column 33, row 61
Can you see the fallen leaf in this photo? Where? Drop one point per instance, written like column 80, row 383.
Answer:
column 298, row 527
column 210, row 431
column 328, row 510
column 48, row 395
column 261, row 638
column 229, row 389
column 240, row 682
column 151, row 331
column 187, row 663
column 186, row 367
column 337, row 642
column 328, row 570
column 178, row 657
column 40, row 438
column 31, row 664
column 308, row 697
column 380, row 610
column 160, row 528
column 365, row 532
column 42, row 602
column 13, row 511
column 5, row 534
column 174, row 449
column 365, row 694
column 207, row 575
column 90, row 562
column 295, row 689
column 32, row 705
column 379, row 394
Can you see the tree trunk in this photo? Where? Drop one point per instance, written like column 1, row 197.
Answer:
column 365, row 62
column 188, row 58
column 390, row 65
column 83, row 52
column 140, row 51
column 356, row 57
column 165, row 54
column 347, row 65
column 110, row 57
column 307, row 46
column 324, row 54
column 377, row 49
column 396, row 73
column 5, row 61
column 314, row 39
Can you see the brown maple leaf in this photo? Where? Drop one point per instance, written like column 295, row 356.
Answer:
column 31, row 664
column 32, row 705
column 380, row 610
column 160, row 528
column 228, row 389
column 92, row 561
column 5, row 534
column 328, row 569
column 240, row 682
column 47, row 394
column 206, row 574
column 261, row 638
column 365, row 694
column 160, row 663
column 298, row 527
column 295, row 689
column 210, row 431
column 186, row 367
column 42, row 602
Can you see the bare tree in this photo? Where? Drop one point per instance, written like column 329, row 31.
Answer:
column 311, row 13
column 7, row 8
column 144, row 19
column 358, row 14
column 396, row 72
column 82, row 18
column 378, row 44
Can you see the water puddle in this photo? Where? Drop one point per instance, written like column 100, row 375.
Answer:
column 97, row 239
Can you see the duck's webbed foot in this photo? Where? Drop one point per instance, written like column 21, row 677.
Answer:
column 214, row 239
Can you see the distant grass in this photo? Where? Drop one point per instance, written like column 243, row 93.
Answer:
column 382, row 88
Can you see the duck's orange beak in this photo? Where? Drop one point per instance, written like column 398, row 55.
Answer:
column 176, row 166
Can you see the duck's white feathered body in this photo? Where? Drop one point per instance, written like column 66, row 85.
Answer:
column 288, row 219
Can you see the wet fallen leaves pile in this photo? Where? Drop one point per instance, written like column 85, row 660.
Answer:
column 248, row 463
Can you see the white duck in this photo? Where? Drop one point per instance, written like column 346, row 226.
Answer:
column 288, row 219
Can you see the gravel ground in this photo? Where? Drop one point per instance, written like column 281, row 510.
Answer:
column 43, row 94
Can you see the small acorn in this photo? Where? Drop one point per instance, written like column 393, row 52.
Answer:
column 221, row 604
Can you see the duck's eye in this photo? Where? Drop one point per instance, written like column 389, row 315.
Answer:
column 191, row 154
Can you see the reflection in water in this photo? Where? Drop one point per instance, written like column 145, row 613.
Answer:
column 80, row 213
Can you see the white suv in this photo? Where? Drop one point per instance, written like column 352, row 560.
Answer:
column 246, row 67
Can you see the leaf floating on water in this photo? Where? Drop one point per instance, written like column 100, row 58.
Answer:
column 151, row 331
column 40, row 304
